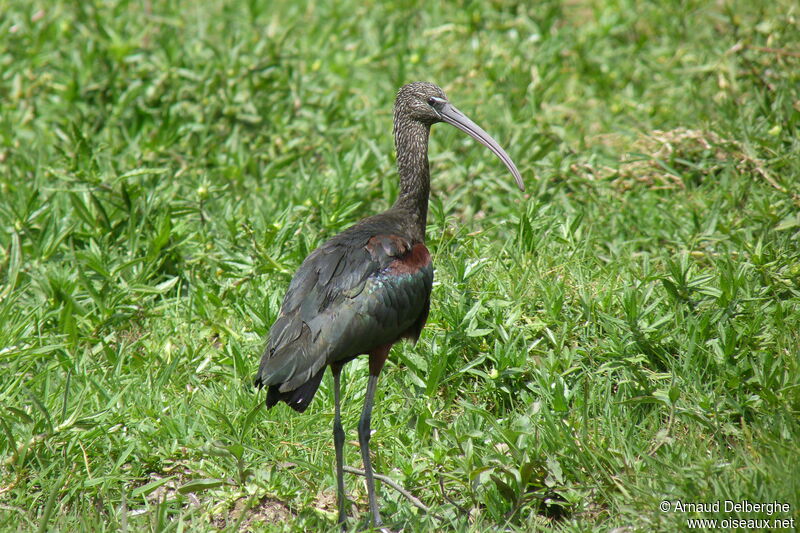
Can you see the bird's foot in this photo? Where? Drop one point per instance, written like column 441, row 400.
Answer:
column 377, row 524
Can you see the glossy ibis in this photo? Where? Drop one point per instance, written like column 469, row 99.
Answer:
column 368, row 287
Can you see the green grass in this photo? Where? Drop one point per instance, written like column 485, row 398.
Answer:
column 626, row 332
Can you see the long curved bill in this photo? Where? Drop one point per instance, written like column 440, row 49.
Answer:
column 454, row 117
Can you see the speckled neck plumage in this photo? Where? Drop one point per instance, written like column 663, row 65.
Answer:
column 411, row 142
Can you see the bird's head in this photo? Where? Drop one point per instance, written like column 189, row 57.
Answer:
column 427, row 104
column 418, row 101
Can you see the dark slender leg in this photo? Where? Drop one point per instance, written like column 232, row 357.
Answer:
column 363, row 440
column 338, row 442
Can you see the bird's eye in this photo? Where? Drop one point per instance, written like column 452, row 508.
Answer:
column 436, row 103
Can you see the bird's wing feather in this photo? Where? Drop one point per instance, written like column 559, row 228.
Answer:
column 349, row 296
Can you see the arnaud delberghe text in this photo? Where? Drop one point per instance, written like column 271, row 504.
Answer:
column 730, row 506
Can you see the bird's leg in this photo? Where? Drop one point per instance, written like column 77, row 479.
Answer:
column 338, row 443
column 363, row 440
column 377, row 358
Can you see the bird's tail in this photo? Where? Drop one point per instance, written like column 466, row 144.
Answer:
column 299, row 398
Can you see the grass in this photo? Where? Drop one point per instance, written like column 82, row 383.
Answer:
column 624, row 333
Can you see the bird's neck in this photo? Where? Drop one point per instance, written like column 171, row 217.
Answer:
column 411, row 141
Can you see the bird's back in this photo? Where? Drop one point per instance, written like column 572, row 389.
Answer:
column 366, row 287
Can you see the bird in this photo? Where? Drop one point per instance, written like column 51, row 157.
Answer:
column 367, row 287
